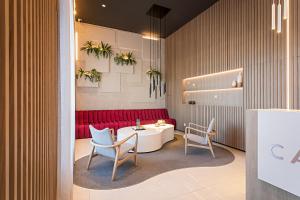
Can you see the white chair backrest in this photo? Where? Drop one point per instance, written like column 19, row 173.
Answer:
column 211, row 125
column 103, row 137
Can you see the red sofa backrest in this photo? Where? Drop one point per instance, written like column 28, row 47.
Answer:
column 101, row 116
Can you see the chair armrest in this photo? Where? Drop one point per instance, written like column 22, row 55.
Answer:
column 194, row 129
column 116, row 144
column 119, row 143
column 197, row 125
column 101, row 145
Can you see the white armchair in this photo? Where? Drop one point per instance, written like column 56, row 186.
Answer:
column 199, row 136
column 104, row 144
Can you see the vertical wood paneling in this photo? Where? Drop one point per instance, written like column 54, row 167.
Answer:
column 214, row 45
column 294, row 54
column 236, row 34
column 3, row 108
column 28, row 99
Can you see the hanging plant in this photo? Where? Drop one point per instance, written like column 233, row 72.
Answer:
column 125, row 59
column 93, row 75
column 99, row 50
column 155, row 81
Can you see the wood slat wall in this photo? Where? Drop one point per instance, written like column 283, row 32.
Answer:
column 295, row 54
column 3, row 54
column 235, row 34
column 29, row 94
column 209, row 43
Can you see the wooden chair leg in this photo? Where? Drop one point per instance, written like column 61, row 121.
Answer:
column 90, row 158
column 135, row 156
column 211, row 148
column 135, row 151
column 115, row 165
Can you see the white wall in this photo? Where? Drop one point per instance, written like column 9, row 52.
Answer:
column 122, row 87
column 66, row 120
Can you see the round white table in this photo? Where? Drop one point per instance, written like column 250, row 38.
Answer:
column 150, row 139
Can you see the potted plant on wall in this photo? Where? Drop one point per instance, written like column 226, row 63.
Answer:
column 99, row 50
column 92, row 75
column 125, row 59
column 155, row 81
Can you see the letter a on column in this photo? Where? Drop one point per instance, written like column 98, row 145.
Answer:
column 296, row 158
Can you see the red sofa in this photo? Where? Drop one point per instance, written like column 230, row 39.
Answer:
column 116, row 119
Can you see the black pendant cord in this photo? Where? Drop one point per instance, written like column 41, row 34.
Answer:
column 160, row 56
column 165, row 34
column 158, row 31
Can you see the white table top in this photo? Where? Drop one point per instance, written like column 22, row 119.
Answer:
column 149, row 129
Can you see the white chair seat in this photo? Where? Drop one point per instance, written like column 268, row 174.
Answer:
column 125, row 147
column 197, row 139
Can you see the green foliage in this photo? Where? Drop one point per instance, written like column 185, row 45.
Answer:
column 93, row 75
column 153, row 72
column 99, row 50
column 155, row 81
column 125, row 59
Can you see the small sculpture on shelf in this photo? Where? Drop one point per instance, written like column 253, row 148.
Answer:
column 234, row 84
column 240, row 80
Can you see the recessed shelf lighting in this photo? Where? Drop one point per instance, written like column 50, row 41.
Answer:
column 214, row 74
column 214, row 90
column 103, row 5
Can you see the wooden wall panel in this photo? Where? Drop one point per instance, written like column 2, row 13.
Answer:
column 294, row 45
column 236, row 34
column 208, row 44
column 3, row 78
column 29, row 94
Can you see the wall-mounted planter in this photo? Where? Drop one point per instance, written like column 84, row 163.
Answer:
column 100, row 64
column 85, row 83
column 125, row 69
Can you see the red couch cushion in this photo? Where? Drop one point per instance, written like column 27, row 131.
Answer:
column 116, row 119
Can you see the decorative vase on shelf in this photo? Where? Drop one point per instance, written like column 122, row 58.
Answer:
column 234, row 84
column 240, row 80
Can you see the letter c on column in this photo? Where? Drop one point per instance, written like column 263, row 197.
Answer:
column 275, row 146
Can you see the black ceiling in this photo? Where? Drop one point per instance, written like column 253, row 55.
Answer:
column 130, row 15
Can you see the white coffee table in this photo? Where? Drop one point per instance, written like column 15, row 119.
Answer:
column 151, row 139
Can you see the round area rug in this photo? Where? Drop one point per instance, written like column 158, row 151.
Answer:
column 170, row 157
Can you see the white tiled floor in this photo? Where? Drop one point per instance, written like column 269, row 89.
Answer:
column 199, row 183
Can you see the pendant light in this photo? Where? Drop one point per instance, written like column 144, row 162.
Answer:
column 279, row 23
column 157, row 31
column 285, row 9
column 273, row 16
